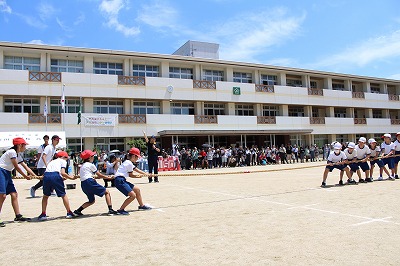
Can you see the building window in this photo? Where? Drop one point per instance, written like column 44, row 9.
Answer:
column 337, row 86
column 214, row 109
column 320, row 140
column 22, row 105
column 242, row 77
column 107, row 68
column 182, row 108
column 269, row 80
column 313, row 85
column 270, row 110
column 296, row 111
column 213, row 75
column 340, row 112
column 145, row 71
column 294, row 82
column 75, row 144
column 244, row 110
column 109, row 144
column 22, row 63
column 377, row 113
column 375, row 88
column 180, row 73
column 62, row 65
column 71, row 106
column 142, row 108
column 108, row 107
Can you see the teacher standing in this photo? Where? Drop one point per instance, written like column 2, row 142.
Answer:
column 152, row 152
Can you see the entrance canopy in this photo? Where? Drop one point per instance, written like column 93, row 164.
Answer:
column 165, row 133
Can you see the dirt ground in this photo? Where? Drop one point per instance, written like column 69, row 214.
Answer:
column 280, row 217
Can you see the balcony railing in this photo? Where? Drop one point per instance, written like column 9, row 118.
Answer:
column 45, row 76
column 128, row 80
column 315, row 91
column 266, row 120
column 393, row 97
column 360, row 121
column 205, row 119
column 132, row 119
column 317, row 120
column 358, row 95
column 395, row 121
column 265, row 88
column 204, row 84
column 40, row 118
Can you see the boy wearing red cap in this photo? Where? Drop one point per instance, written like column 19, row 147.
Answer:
column 128, row 189
column 89, row 186
column 11, row 159
column 53, row 179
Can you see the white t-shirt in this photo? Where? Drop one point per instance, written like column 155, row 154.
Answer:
column 125, row 168
column 5, row 159
column 87, row 171
column 362, row 153
column 41, row 148
column 50, row 150
column 375, row 152
column 335, row 158
column 386, row 148
column 350, row 156
column 396, row 145
column 56, row 165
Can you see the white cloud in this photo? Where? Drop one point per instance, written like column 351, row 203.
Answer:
column 81, row 18
column 32, row 21
column 384, row 47
column 159, row 15
column 111, row 9
column 244, row 39
column 46, row 11
column 36, row 42
column 62, row 25
column 4, row 7
column 394, row 76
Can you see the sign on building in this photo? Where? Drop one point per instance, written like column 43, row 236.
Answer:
column 100, row 120
column 236, row 90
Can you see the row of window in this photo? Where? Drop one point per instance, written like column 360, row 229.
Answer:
column 32, row 105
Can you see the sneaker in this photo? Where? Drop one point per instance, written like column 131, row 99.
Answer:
column 42, row 217
column 361, row 180
column 150, row 179
column 144, row 207
column 340, row 182
column 122, row 212
column 32, row 192
column 391, row 178
column 2, row 224
column 351, row 181
column 368, row 179
column 380, row 178
column 21, row 218
column 70, row 215
column 78, row 213
column 396, row 176
column 112, row 212
column 156, row 180
column 323, row 184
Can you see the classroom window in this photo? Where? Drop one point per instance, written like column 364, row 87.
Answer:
column 145, row 71
column 242, row 77
column 377, row 113
column 213, row 75
column 340, row 112
column 141, row 108
column 296, row 111
column 63, row 65
column 107, row 68
column 22, row 63
column 270, row 110
column 22, row 105
column 244, row 110
column 71, row 105
column 294, row 82
column 182, row 108
column 108, row 107
column 180, row 73
column 214, row 109
column 269, row 79
column 338, row 86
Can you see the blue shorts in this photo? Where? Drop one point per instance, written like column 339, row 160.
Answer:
column 397, row 158
column 363, row 165
column 378, row 162
column 90, row 187
column 388, row 161
column 122, row 185
column 6, row 182
column 53, row 181
column 341, row 167
column 41, row 171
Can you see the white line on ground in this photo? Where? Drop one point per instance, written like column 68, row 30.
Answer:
column 304, row 206
column 307, row 207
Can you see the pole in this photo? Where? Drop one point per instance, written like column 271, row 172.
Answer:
column 46, row 113
column 80, row 124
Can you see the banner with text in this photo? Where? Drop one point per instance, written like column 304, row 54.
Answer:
column 34, row 138
column 100, row 120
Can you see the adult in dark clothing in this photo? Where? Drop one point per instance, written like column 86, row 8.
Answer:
column 152, row 156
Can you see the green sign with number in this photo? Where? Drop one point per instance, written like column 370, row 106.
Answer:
column 236, row 90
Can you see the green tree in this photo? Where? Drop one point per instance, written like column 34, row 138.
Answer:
column 138, row 143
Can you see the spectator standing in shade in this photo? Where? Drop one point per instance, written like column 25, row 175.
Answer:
column 152, row 158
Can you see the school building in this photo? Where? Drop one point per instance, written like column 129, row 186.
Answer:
column 191, row 97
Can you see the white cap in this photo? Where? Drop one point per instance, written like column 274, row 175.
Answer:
column 337, row 146
column 387, row 135
column 372, row 140
column 362, row 139
column 351, row 145
column 333, row 143
column 398, row 133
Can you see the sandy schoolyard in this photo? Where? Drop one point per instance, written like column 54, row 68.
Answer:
column 280, row 217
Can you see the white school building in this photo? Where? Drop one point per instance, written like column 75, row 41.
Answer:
column 191, row 97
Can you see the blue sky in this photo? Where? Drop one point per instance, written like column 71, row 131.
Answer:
column 354, row 36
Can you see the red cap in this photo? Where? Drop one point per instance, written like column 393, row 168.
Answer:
column 86, row 154
column 55, row 137
column 17, row 141
column 135, row 151
column 62, row 154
